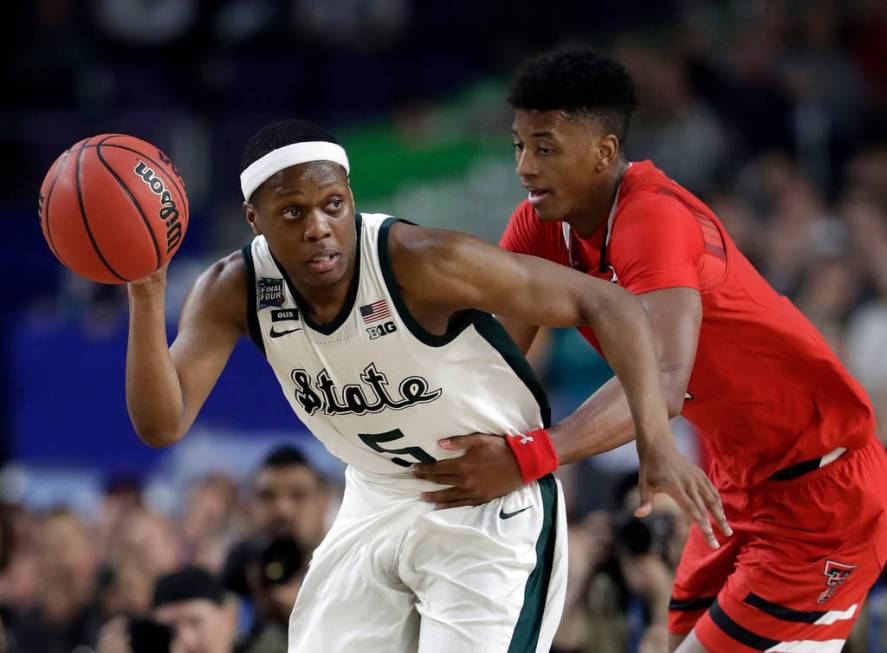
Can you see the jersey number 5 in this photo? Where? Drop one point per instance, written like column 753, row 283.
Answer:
column 375, row 441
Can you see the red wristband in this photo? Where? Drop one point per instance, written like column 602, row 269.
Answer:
column 534, row 453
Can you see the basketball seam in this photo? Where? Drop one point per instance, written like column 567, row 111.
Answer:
column 161, row 167
column 95, row 245
column 98, row 151
column 58, row 173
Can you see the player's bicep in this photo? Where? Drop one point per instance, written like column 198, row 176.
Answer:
column 210, row 324
column 524, row 288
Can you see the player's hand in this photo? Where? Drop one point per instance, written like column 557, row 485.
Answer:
column 664, row 469
column 486, row 471
column 156, row 278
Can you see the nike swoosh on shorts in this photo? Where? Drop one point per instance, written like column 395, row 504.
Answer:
column 509, row 515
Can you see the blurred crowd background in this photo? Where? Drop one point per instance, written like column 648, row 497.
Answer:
column 773, row 111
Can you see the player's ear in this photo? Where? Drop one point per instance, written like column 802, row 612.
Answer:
column 607, row 150
column 250, row 213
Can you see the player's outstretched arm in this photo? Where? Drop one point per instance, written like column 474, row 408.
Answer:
column 166, row 386
column 675, row 316
column 467, row 272
column 456, row 271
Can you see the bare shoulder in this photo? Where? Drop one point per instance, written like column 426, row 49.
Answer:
column 226, row 274
column 414, row 248
column 220, row 291
column 439, row 270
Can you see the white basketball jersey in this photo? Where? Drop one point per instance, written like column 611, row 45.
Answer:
column 376, row 388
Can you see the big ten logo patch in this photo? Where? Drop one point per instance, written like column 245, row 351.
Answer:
column 381, row 330
column 837, row 573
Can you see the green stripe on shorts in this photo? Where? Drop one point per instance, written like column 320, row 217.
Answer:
column 529, row 623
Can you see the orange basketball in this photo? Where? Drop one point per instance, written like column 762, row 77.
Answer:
column 113, row 208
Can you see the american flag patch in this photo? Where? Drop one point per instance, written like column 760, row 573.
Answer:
column 375, row 311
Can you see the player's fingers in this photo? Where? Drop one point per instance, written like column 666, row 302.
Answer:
column 700, row 514
column 431, row 471
column 447, row 495
column 459, row 441
column 457, row 504
column 690, row 504
column 646, row 500
column 715, row 507
column 444, row 479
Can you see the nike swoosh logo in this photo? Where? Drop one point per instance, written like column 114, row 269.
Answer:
column 509, row 515
column 277, row 334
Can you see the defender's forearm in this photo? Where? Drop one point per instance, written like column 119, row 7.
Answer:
column 627, row 341
column 603, row 422
column 600, row 424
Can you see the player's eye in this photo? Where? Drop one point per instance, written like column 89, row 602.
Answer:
column 544, row 151
column 335, row 203
column 291, row 213
column 518, row 146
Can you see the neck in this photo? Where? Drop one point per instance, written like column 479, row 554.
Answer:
column 324, row 303
column 589, row 218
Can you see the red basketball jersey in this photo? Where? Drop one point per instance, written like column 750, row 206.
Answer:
column 766, row 391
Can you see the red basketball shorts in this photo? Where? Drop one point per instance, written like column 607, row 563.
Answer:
column 797, row 569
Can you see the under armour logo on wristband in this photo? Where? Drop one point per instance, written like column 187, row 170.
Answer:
column 534, row 453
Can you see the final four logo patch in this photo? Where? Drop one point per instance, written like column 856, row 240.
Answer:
column 270, row 292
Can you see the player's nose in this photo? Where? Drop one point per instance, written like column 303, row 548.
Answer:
column 526, row 166
column 317, row 225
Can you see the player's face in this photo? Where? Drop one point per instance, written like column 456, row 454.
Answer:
column 290, row 501
column 306, row 213
column 557, row 158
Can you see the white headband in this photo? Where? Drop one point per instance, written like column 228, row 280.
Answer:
column 289, row 155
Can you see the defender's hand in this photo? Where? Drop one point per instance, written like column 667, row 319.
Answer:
column 486, row 471
column 664, row 469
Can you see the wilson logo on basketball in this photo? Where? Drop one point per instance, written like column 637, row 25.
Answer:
column 168, row 211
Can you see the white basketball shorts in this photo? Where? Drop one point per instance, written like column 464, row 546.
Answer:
column 396, row 575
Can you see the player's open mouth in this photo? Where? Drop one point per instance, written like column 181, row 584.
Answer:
column 536, row 195
column 324, row 262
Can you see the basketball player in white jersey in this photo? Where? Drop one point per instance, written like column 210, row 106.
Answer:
column 381, row 337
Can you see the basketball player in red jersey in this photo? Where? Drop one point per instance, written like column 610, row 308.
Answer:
column 802, row 477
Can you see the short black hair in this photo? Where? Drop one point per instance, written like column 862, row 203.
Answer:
column 577, row 81
column 187, row 584
column 280, row 134
column 284, row 455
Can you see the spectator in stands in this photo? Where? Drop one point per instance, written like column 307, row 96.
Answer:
column 125, row 590
column 66, row 615
column 191, row 602
column 274, row 578
column 208, row 520
column 123, row 495
column 289, row 498
column 190, row 615
column 149, row 541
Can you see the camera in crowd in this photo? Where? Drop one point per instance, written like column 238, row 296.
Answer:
column 147, row 636
column 638, row 536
